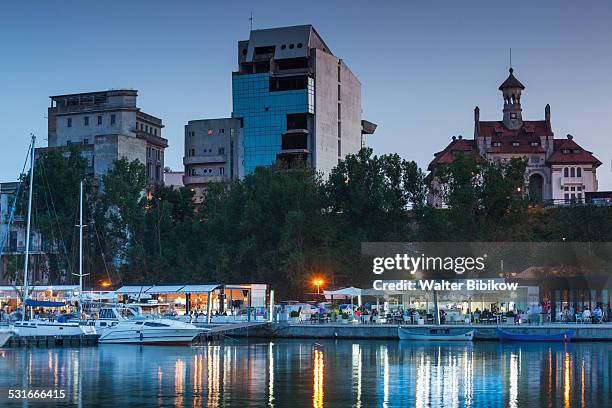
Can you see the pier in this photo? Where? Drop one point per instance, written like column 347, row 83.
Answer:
column 220, row 331
column 484, row 332
column 53, row 341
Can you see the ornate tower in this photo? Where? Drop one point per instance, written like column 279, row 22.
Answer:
column 511, row 91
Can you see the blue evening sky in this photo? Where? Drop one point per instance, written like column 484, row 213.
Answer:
column 423, row 65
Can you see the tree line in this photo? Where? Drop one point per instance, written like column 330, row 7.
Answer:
column 284, row 226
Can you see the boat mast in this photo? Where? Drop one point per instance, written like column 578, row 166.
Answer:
column 27, row 248
column 81, row 250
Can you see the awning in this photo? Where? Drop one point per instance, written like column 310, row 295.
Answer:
column 43, row 303
column 158, row 290
column 199, row 288
column 132, row 290
column 343, row 292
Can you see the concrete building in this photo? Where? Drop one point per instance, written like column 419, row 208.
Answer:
column 13, row 237
column 173, row 179
column 558, row 170
column 213, row 153
column 108, row 125
column 297, row 100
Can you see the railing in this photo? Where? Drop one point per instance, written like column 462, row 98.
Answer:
column 189, row 180
column 217, row 158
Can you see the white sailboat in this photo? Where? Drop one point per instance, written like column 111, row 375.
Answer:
column 40, row 327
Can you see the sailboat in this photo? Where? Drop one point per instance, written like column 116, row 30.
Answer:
column 40, row 327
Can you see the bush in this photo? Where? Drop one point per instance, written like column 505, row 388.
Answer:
column 344, row 316
column 294, row 313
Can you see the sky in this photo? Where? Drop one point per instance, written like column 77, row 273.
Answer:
column 423, row 66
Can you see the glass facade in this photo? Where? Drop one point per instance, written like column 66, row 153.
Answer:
column 264, row 114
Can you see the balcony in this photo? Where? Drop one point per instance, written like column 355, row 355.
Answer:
column 154, row 140
column 295, row 141
column 565, row 181
column 218, row 158
column 191, row 180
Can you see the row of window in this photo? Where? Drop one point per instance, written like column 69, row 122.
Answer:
column 154, row 153
column 192, row 152
column 572, row 172
column 146, row 128
column 517, row 144
column 113, row 120
column 195, row 172
column 572, row 197
column 574, row 188
column 210, row 132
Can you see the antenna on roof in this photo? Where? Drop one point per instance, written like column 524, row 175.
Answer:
column 251, row 20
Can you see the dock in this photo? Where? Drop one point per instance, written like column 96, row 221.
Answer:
column 221, row 331
column 484, row 332
column 53, row 341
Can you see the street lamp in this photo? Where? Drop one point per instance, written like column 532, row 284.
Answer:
column 318, row 282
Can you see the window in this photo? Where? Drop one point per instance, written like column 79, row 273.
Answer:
column 515, row 144
column 497, row 144
column 291, row 46
column 579, row 188
column 566, row 195
column 283, row 46
column 113, row 119
column 535, row 144
column 221, row 170
column 566, row 188
column 579, row 172
column 221, row 130
column 339, row 148
column 339, row 130
column 210, row 131
column 572, row 172
column 512, row 115
column 579, row 195
column 339, row 93
column 68, row 142
column 86, row 121
column 99, row 119
column 155, row 324
column 85, row 141
column 573, row 189
column 222, row 150
column 338, row 72
column 565, row 172
column 339, row 112
column 69, row 122
column 300, row 45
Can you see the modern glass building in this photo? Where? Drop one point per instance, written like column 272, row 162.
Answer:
column 264, row 112
column 297, row 101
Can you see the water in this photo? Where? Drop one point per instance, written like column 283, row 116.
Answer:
column 303, row 373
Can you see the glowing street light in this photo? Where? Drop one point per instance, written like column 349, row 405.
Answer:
column 318, row 282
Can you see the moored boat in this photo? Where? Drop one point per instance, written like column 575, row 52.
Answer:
column 6, row 334
column 442, row 334
column 150, row 332
column 564, row 335
column 37, row 327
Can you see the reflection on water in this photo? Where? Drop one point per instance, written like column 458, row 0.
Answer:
column 327, row 373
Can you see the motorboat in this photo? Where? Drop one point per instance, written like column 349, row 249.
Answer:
column 39, row 327
column 561, row 336
column 149, row 331
column 442, row 334
column 6, row 334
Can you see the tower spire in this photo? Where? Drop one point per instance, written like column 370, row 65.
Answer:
column 511, row 91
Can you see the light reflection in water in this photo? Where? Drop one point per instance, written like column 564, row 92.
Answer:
column 356, row 354
column 381, row 373
column 318, row 377
column 271, row 375
column 514, row 375
column 566, row 380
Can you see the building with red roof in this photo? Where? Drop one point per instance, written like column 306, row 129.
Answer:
column 558, row 170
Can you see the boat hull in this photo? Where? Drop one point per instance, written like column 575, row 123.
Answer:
column 43, row 328
column 5, row 335
column 563, row 336
column 149, row 336
column 434, row 335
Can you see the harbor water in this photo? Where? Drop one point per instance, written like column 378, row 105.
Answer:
column 307, row 373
